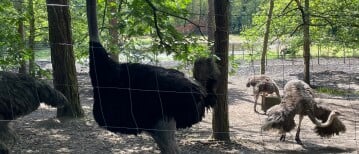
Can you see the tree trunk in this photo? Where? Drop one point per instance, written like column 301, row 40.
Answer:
column 113, row 30
column 31, row 37
column 211, row 26
column 220, row 122
column 20, row 29
column 306, row 44
column 266, row 37
column 306, row 38
column 62, row 57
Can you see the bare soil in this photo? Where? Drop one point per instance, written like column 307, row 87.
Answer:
column 40, row 132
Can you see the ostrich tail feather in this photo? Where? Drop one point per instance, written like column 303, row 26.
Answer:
column 279, row 117
column 334, row 128
column 50, row 96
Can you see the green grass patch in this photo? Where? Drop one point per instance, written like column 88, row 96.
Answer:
column 332, row 91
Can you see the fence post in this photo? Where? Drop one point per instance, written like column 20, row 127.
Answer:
column 344, row 52
column 233, row 52
column 318, row 56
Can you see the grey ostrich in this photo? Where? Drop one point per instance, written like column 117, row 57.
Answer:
column 262, row 85
column 20, row 95
column 298, row 98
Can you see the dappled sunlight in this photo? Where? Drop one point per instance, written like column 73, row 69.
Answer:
column 47, row 134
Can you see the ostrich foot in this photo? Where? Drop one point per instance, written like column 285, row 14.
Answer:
column 282, row 138
column 259, row 112
column 298, row 141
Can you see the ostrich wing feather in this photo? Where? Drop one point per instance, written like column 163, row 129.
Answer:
column 334, row 128
column 22, row 94
column 280, row 117
column 131, row 97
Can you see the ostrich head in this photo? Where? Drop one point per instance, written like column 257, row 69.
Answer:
column 50, row 96
column 336, row 113
column 254, row 80
column 251, row 81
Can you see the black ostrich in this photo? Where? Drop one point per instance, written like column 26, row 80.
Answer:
column 299, row 99
column 20, row 95
column 131, row 98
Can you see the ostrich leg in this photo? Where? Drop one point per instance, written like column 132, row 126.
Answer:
column 164, row 135
column 255, row 102
column 282, row 138
column 297, row 139
column 7, row 136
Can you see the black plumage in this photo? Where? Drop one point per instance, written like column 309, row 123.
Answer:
column 132, row 97
column 322, row 113
column 20, row 95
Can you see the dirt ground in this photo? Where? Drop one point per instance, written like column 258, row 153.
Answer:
column 40, row 132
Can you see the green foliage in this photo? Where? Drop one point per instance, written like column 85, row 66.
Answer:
column 334, row 25
column 136, row 19
column 9, row 37
column 242, row 13
column 332, row 21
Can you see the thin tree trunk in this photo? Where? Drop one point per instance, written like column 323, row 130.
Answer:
column 31, row 37
column 306, row 44
column 62, row 57
column 266, row 37
column 113, row 30
column 211, row 26
column 220, row 122
column 20, row 29
column 306, row 38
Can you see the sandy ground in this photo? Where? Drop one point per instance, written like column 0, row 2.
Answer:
column 40, row 132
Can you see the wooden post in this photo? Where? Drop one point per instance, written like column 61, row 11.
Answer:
column 318, row 56
column 344, row 53
column 232, row 52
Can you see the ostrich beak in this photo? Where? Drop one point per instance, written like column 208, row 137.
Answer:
column 339, row 114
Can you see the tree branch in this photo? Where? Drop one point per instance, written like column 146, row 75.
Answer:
column 287, row 6
column 158, row 31
column 300, row 7
column 325, row 18
column 296, row 29
column 174, row 15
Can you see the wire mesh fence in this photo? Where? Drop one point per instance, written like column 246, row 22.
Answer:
column 334, row 74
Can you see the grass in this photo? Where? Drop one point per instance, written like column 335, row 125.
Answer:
column 333, row 51
column 333, row 91
column 326, row 51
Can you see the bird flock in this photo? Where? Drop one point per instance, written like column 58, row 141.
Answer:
column 133, row 98
column 298, row 99
column 164, row 108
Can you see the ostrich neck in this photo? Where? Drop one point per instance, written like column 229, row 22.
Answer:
column 91, row 6
column 328, row 122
